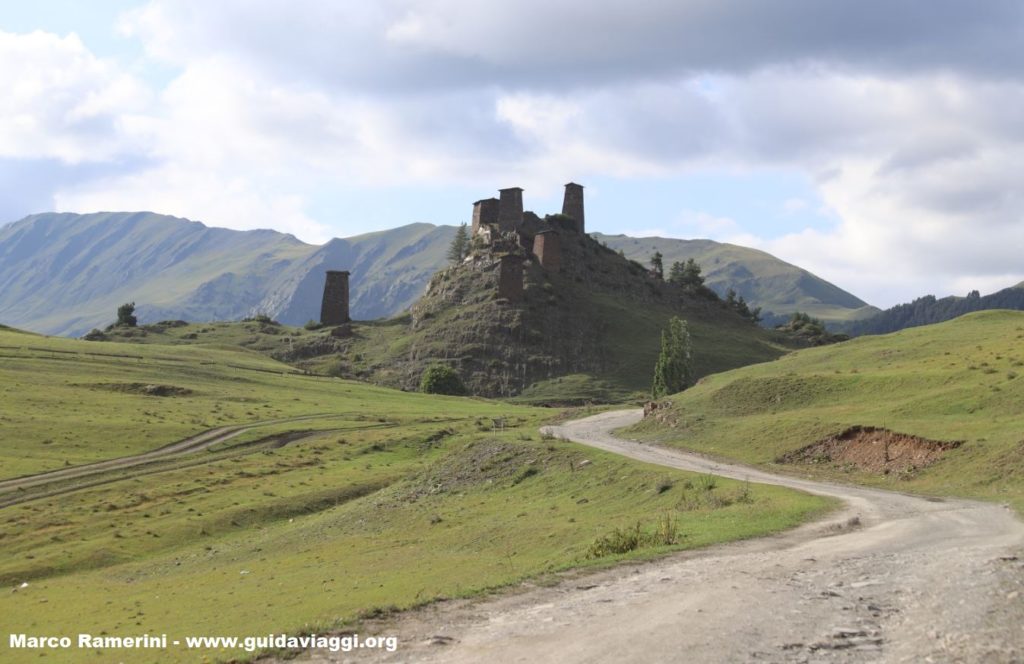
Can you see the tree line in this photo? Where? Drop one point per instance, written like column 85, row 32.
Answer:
column 929, row 309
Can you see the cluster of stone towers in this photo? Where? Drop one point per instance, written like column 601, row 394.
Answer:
column 505, row 214
column 501, row 223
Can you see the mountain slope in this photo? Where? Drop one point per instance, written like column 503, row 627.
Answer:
column 762, row 279
column 67, row 273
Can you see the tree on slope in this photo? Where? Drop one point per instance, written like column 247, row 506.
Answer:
column 674, row 370
column 459, row 246
column 126, row 315
column 658, row 264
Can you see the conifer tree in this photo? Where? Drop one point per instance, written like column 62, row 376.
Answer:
column 459, row 247
column 673, row 371
column 676, row 274
column 658, row 265
column 691, row 274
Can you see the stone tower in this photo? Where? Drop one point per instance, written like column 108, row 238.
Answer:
column 510, row 278
column 485, row 213
column 548, row 250
column 510, row 209
column 572, row 205
column 334, row 309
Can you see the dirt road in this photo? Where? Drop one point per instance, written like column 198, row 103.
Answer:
column 19, row 490
column 916, row 580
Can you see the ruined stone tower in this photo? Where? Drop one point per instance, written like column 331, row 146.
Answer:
column 485, row 213
column 572, row 204
column 548, row 250
column 334, row 309
column 510, row 278
column 510, row 209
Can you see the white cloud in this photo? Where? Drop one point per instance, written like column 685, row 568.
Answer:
column 911, row 133
column 61, row 101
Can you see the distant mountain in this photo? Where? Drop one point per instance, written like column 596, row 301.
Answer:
column 67, row 273
column 928, row 310
column 762, row 279
column 63, row 273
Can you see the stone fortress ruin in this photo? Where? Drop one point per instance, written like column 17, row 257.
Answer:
column 513, row 235
column 502, row 231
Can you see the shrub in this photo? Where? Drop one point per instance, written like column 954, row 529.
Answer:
column 126, row 315
column 95, row 335
column 441, row 379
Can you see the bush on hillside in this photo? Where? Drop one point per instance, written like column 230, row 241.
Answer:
column 126, row 315
column 441, row 379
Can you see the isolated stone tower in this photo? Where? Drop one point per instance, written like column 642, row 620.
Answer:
column 548, row 250
column 510, row 209
column 485, row 213
column 334, row 309
column 572, row 205
column 510, row 278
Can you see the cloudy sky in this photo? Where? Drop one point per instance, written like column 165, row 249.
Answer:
column 879, row 144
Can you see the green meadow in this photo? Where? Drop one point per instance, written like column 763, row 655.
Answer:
column 962, row 380
column 337, row 500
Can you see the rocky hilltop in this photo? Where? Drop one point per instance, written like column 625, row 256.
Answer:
column 538, row 306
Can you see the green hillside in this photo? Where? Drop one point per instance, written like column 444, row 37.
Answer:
column 762, row 279
column 318, row 500
column 957, row 383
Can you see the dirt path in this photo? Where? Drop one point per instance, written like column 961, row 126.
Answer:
column 75, row 478
column 917, row 580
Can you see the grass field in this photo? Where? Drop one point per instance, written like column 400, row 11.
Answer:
column 391, row 499
column 956, row 381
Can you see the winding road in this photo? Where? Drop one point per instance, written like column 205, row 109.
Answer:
column 888, row 578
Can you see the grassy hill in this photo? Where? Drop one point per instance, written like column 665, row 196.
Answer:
column 762, row 279
column 375, row 499
column 956, row 385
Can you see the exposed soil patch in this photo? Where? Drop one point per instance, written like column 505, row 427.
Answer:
column 874, row 450
column 147, row 389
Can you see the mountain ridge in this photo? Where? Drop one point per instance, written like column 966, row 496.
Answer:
column 778, row 287
column 65, row 273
